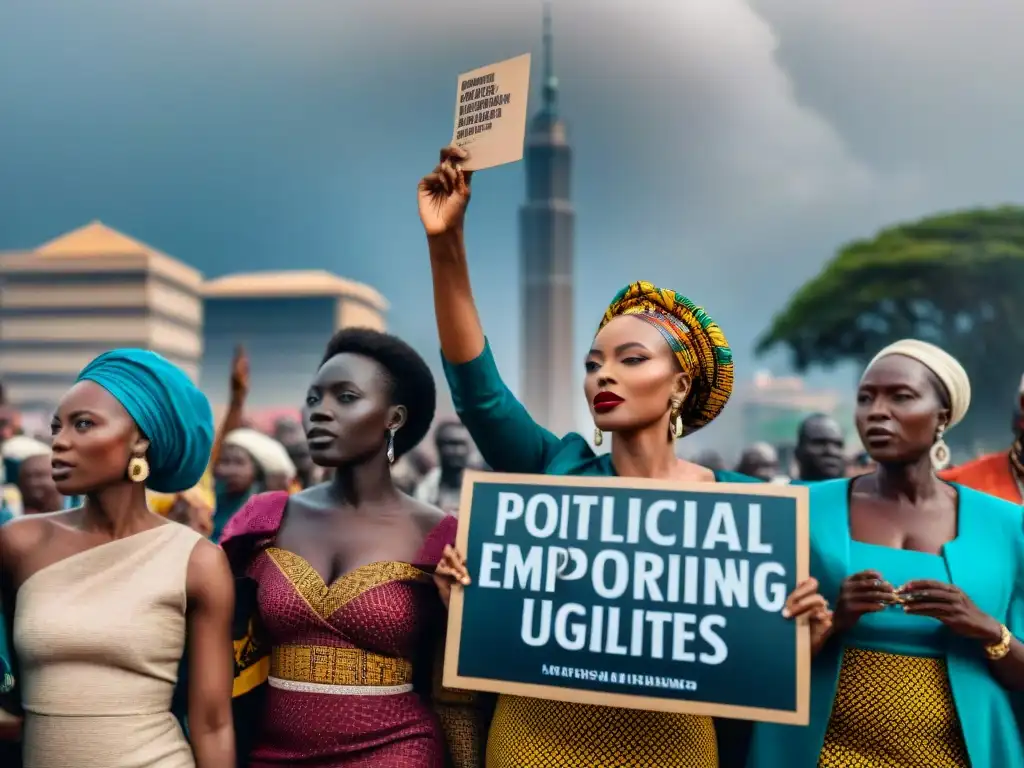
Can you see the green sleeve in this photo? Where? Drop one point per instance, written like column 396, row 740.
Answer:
column 505, row 434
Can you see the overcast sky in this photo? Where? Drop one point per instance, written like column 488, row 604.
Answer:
column 723, row 148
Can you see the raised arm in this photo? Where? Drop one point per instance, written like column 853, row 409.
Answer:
column 507, row 437
column 234, row 417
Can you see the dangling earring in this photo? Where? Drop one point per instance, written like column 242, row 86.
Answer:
column 598, row 436
column 939, row 453
column 675, row 420
column 391, row 445
column 138, row 469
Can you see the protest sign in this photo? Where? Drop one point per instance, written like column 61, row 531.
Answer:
column 633, row 593
column 490, row 113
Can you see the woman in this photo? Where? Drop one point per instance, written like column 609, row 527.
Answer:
column 343, row 570
column 919, row 664
column 659, row 368
column 238, row 478
column 249, row 463
column 103, row 599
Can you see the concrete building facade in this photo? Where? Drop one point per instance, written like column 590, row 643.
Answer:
column 88, row 291
column 284, row 320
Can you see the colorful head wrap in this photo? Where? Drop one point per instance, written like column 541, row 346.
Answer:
column 696, row 340
column 167, row 407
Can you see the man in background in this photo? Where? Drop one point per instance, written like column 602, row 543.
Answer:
column 442, row 486
column 759, row 460
column 819, row 449
column 1001, row 473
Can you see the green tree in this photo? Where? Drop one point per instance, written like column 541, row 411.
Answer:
column 954, row 279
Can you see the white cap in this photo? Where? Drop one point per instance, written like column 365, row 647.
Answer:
column 268, row 453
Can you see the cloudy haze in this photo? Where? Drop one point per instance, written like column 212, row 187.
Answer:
column 723, row 148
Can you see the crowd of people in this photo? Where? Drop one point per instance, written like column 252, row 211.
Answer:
column 180, row 595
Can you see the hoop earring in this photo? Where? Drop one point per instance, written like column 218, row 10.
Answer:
column 598, row 436
column 391, row 445
column 939, row 453
column 138, row 469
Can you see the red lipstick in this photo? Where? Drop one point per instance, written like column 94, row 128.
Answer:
column 606, row 401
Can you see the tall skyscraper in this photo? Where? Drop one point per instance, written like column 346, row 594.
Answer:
column 546, row 223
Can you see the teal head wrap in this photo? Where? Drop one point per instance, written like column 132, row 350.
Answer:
column 167, row 407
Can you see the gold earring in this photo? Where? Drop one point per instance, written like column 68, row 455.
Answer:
column 675, row 420
column 138, row 469
column 598, row 436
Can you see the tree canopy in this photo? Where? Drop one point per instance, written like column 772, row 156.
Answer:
column 954, row 279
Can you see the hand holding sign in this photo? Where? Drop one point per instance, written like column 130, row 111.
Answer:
column 805, row 601
column 444, row 193
column 636, row 593
column 451, row 570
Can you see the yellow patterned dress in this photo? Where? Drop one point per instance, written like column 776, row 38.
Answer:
column 538, row 733
column 893, row 706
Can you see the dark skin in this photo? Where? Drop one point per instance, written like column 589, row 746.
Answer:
column 628, row 358
column 454, row 448
column 293, row 437
column 235, row 469
column 38, row 492
column 819, row 449
column 902, row 504
column 359, row 517
column 759, row 461
column 94, row 439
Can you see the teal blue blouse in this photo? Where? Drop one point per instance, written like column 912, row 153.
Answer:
column 510, row 440
column 985, row 560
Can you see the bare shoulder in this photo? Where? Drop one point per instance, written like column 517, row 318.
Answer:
column 207, row 567
column 24, row 534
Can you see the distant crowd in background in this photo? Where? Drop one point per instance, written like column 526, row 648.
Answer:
column 317, row 556
column 246, row 461
column 249, row 461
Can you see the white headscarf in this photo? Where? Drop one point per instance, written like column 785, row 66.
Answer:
column 268, row 453
column 21, row 447
column 943, row 365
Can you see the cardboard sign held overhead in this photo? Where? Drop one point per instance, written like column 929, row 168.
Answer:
column 490, row 113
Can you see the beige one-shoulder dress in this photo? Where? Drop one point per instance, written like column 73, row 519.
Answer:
column 99, row 637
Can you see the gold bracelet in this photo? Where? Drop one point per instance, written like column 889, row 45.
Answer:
column 998, row 650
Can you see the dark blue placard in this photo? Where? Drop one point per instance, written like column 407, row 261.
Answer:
column 694, row 646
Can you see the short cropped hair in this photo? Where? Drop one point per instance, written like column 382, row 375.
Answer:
column 409, row 379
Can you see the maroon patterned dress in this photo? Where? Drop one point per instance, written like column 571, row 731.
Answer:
column 346, row 687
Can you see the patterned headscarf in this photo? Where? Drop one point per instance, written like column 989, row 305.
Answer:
column 696, row 340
